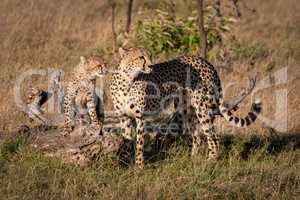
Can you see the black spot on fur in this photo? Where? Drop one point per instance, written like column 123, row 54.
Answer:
column 248, row 122
column 235, row 108
column 141, row 142
column 252, row 116
column 257, row 108
column 242, row 122
column 236, row 120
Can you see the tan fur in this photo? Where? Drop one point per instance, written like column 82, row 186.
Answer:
column 139, row 90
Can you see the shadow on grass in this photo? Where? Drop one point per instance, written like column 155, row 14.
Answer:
column 272, row 145
column 158, row 149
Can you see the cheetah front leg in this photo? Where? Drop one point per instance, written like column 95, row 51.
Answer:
column 91, row 107
column 95, row 128
column 139, row 153
column 126, row 127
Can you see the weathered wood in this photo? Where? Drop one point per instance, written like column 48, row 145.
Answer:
column 57, row 90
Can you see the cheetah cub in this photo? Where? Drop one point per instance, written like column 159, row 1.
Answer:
column 80, row 98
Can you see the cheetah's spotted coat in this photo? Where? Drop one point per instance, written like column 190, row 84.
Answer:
column 80, row 95
column 139, row 90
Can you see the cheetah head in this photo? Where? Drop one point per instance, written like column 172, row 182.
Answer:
column 33, row 94
column 93, row 65
column 135, row 60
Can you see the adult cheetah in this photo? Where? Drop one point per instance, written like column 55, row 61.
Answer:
column 140, row 91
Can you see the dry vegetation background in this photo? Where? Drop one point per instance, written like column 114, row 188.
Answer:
column 42, row 34
column 53, row 33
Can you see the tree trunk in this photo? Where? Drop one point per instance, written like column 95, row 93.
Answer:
column 129, row 14
column 218, row 7
column 237, row 8
column 202, row 33
column 113, row 29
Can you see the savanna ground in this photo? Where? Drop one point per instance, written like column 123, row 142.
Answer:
column 42, row 34
column 251, row 168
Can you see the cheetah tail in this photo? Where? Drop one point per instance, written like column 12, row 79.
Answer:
column 245, row 121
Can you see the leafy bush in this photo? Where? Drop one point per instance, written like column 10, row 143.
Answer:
column 169, row 34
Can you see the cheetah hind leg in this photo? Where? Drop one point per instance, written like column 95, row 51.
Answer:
column 206, row 125
column 69, row 109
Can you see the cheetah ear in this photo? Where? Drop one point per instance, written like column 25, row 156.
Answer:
column 82, row 60
column 122, row 52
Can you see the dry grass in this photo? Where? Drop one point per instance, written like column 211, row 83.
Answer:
column 44, row 34
column 251, row 169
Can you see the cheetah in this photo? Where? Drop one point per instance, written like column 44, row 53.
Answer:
column 80, row 94
column 140, row 90
column 120, row 85
column 36, row 97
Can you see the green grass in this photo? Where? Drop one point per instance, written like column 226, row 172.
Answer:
column 250, row 169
